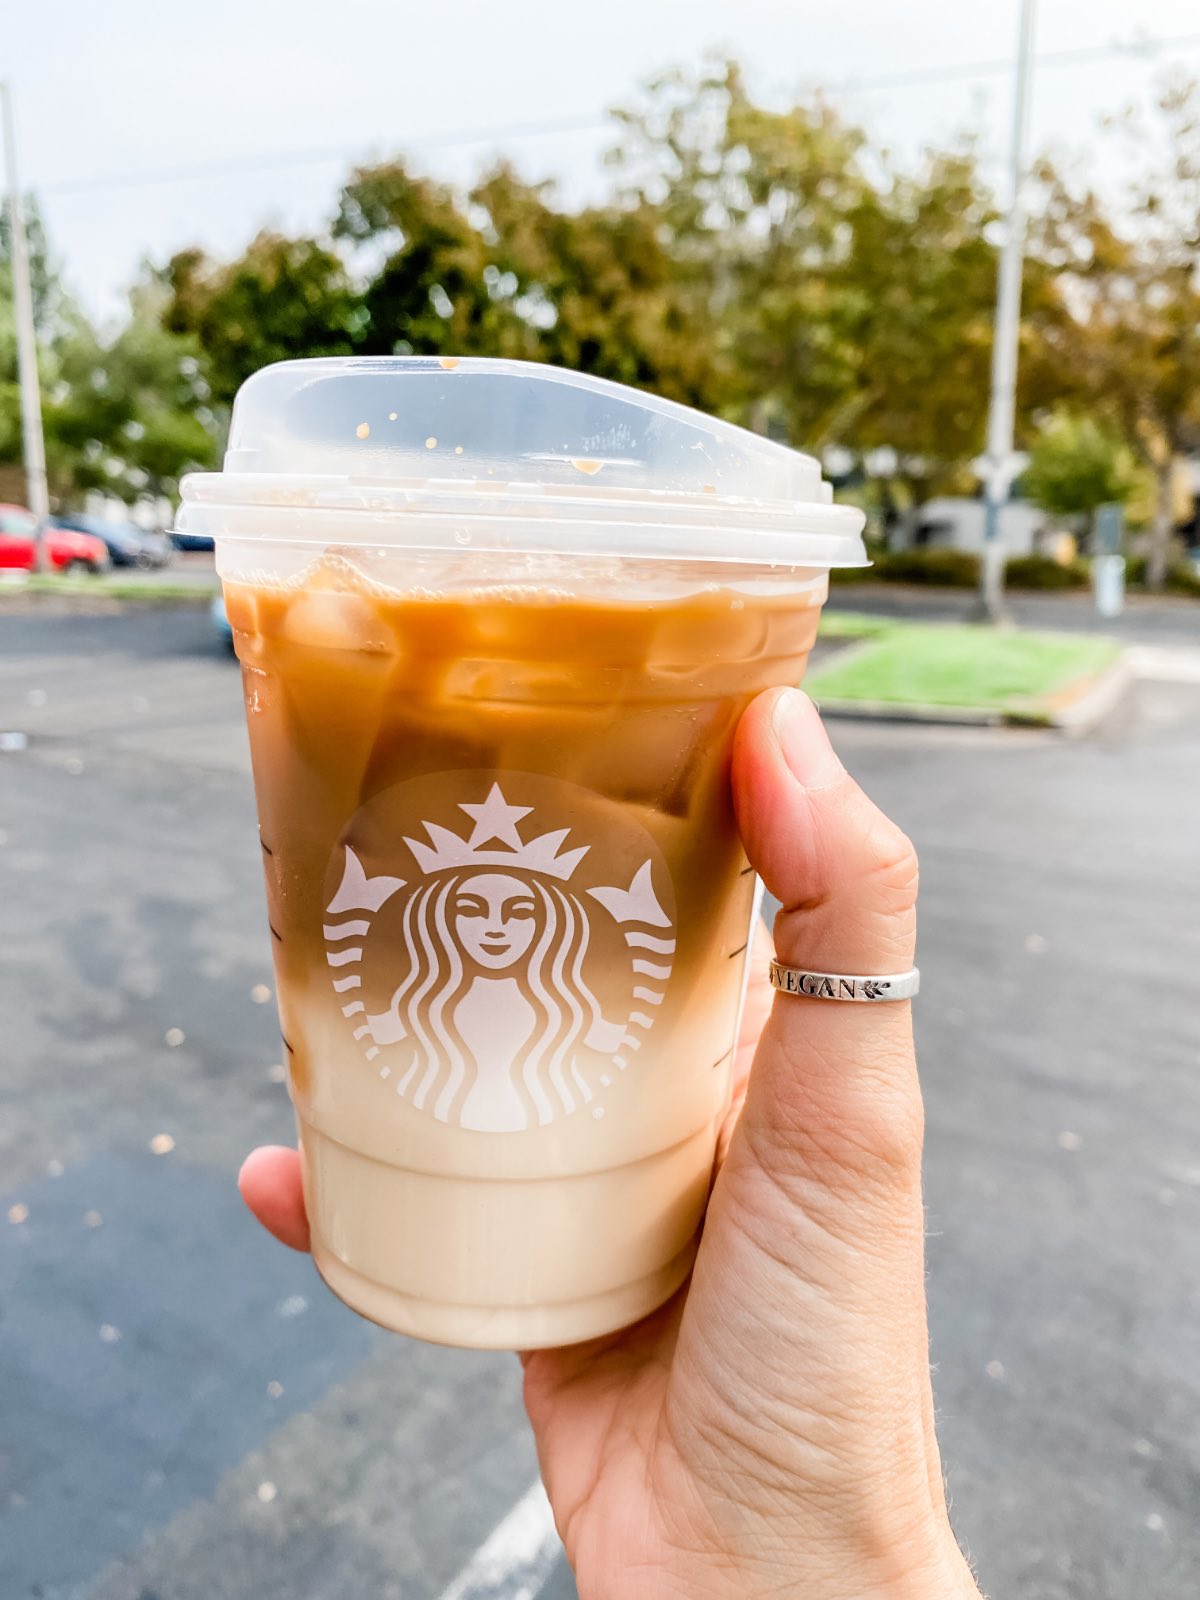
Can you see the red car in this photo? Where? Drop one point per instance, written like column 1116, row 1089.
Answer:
column 65, row 550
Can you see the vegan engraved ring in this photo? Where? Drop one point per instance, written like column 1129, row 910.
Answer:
column 843, row 986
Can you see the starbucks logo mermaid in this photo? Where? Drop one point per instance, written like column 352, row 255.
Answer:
column 496, row 975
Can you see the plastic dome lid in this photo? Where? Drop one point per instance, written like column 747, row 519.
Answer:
column 508, row 455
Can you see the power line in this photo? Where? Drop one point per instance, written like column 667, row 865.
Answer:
column 1049, row 58
column 273, row 161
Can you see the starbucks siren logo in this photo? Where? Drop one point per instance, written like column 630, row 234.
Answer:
column 511, row 992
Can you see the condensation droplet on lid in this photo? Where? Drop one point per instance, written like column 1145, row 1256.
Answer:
column 277, row 1072
column 18, row 1213
column 54, row 1168
column 294, row 1306
column 37, row 697
column 448, row 362
column 1155, row 1522
column 92, row 1219
column 13, row 741
column 260, row 994
column 73, row 765
column 392, row 415
column 995, row 1369
column 1069, row 1141
column 461, row 536
column 162, row 1144
column 109, row 1334
column 586, row 465
column 597, row 1112
column 710, row 488
column 363, row 430
column 174, row 1037
column 1036, row 944
column 274, row 1388
column 458, row 449
column 266, row 1493
column 1143, row 1447
column 430, row 443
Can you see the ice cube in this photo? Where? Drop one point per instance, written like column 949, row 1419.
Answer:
column 329, row 620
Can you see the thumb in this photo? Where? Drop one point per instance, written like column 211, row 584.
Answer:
column 834, row 1083
column 812, row 1254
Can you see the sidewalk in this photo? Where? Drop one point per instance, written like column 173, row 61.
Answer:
column 1154, row 619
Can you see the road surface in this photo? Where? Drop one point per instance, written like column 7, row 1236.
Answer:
column 185, row 1414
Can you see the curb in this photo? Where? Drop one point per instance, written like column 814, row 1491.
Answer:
column 893, row 711
column 1090, row 707
column 1077, row 714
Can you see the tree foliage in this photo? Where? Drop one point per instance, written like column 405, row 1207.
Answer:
column 769, row 263
column 127, row 414
column 282, row 298
column 1131, row 278
column 1078, row 464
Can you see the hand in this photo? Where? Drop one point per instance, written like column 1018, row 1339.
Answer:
column 770, row 1430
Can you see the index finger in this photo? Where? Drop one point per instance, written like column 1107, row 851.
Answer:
column 271, row 1185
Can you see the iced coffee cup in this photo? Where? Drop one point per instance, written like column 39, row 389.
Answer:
column 497, row 623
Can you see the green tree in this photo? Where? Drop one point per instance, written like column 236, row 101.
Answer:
column 281, row 298
column 920, row 289
column 129, row 416
column 756, row 207
column 598, row 289
column 847, row 300
column 1132, row 281
column 1077, row 464
column 432, row 284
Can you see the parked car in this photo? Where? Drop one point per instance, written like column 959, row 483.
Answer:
column 220, row 619
column 191, row 541
column 128, row 545
column 66, row 549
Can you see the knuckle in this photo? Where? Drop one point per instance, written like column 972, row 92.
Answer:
column 894, row 868
column 869, row 1137
column 876, row 1136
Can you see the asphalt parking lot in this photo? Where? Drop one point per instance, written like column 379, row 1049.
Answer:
column 184, row 1411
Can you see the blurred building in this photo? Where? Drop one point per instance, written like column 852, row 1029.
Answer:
column 956, row 522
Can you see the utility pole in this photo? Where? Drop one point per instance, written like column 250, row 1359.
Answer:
column 1000, row 467
column 27, row 371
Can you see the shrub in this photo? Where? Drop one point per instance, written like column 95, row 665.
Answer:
column 1040, row 572
column 953, row 569
column 1182, row 577
column 857, row 574
column 958, row 569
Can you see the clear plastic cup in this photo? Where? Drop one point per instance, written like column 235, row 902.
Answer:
column 497, row 623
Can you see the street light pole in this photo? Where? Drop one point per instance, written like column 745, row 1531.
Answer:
column 27, row 371
column 1000, row 467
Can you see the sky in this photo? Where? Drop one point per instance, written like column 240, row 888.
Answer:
column 117, row 103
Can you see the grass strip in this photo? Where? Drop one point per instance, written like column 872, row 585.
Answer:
column 969, row 667
column 148, row 589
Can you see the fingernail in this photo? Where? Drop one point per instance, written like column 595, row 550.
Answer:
column 803, row 741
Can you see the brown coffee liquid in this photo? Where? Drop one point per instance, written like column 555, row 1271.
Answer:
column 380, row 717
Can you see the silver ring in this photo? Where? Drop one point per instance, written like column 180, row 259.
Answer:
column 843, row 985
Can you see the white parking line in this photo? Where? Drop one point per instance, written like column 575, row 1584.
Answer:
column 1166, row 663
column 516, row 1558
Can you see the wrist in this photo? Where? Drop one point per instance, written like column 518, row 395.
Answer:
column 943, row 1575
